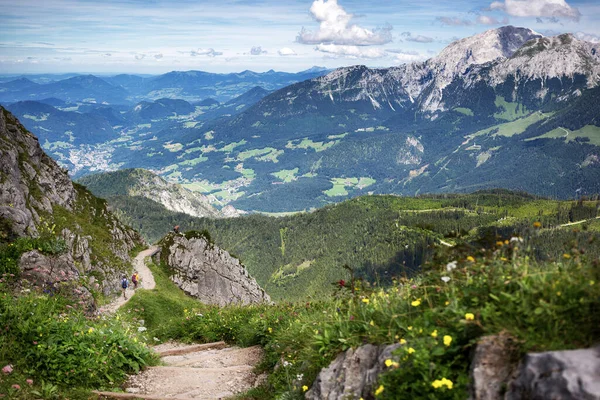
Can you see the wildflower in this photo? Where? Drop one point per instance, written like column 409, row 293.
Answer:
column 271, row 330
column 379, row 390
column 410, row 350
column 402, row 341
column 592, row 283
column 447, row 303
column 537, row 224
column 416, row 303
column 29, row 382
column 372, row 323
column 451, row 265
column 447, row 340
column 469, row 316
column 365, row 300
column 558, row 294
column 304, row 388
column 316, row 332
column 446, row 279
column 409, row 328
column 499, row 243
column 470, row 259
column 90, row 330
column 300, row 377
column 342, row 283
column 566, row 256
column 388, row 363
column 15, row 386
column 438, row 383
column 7, row 369
column 434, row 334
column 142, row 329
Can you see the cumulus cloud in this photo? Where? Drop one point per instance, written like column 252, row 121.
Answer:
column 537, row 8
column 335, row 27
column 419, row 38
column 286, row 51
column 107, row 54
column 158, row 56
column 404, row 52
column 350, row 51
column 210, row 52
column 487, row 20
column 257, row 51
column 453, row 21
column 140, row 56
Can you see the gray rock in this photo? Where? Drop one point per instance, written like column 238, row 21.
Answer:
column 209, row 273
column 496, row 357
column 558, row 375
column 352, row 375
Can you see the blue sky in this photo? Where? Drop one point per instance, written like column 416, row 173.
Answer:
column 155, row 36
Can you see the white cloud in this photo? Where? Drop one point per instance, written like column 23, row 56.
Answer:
column 537, row 8
column 257, row 51
column 403, row 52
column 140, row 56
column 454, row 21
column 335, row 28
column 419, row 38
column 350, row 51
column 210, row 52
column 286, row 51
column 158, row 56
column 487, row 20
column 588, row 37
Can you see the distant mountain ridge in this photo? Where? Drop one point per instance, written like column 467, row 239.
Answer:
column 127, row 89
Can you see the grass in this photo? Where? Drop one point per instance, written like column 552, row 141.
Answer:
column 511, row 111
column 515, row 127
column 309, row 144
column 265, row 154
column 544, row 306
column 340, row 185
column 286, row 175
column 590, row 132
column 465, row 111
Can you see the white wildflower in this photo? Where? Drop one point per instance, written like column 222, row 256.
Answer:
column 516, row 239
column 446, row 279
column 142, row 329
column 451, row 265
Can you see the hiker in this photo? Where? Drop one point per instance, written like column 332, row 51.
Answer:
column 176, row 229
column 135, row 279
column 124, row 286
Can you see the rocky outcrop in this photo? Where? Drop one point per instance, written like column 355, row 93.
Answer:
column 207, row 272
column 38, row 199
column 352, row 375
column 564, row 375
column 497, row 373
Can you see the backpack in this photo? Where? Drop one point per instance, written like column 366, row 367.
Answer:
column 134, row 278
column 124, row 283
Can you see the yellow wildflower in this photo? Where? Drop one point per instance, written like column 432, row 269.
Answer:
column 566, row 256
column 365, row 300
column 410, row 350
column 434, row 334
column 372, row 323
column 388, row 363
column 304, row 388
column 270, row 330
column 438, row 383
column 592, row 283
column 90, row 330
column 379, row 390
column 469, row 316
column 537, row 224
column 499, row 243
column 416, row 303
column 447, row 303
column 447, row 340
column 471, row 259
column 558, row 294
column 409, row 328
column 402, row 341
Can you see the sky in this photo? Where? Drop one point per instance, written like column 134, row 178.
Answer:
column 157, row 36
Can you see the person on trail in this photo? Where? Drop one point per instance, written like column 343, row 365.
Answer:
column 124, row 286
column 135, row 279
column 176, row 229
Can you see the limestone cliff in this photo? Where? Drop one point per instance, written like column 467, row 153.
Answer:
column 38, row 200
column 207, row 272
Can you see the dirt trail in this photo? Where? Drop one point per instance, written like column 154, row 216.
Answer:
column 210, row 371
column 147, row 281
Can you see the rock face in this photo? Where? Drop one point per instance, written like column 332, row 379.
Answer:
column 496, row 373
column 209, row 273
column 38, row 199
column 573, row 374
column 493, row 364
column 352, row 375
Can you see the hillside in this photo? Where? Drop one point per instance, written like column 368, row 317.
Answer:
column 52, row 230
column 379, row 237
column 142, row 183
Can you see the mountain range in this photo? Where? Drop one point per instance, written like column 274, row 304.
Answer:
column 505, row 108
